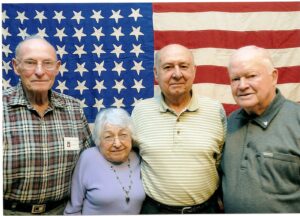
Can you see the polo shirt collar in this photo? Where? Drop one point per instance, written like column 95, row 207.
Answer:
column 192, row 106
column 265, row 119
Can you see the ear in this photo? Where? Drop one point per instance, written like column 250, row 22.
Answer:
column 155, row 74
column 275, row 76
column 15, row 66
column 58, row 64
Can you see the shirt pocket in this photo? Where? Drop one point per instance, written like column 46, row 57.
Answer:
column 278, row 173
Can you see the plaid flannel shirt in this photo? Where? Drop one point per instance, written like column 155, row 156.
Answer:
column 37, row 166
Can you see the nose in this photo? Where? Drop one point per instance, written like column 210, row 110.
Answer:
column 39, row 70
column 243, row 83
column 117, row 142
column 177, row 73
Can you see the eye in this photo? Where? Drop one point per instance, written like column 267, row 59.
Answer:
column 30, row 62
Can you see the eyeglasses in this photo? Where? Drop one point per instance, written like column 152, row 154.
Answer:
column 111, row 139
column 32, row 64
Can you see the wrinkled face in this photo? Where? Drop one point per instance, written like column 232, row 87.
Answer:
column 252, row 85
column 115, row 143
column 175, row 72
column 37, row 66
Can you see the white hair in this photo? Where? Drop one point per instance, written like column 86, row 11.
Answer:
column 114, row 116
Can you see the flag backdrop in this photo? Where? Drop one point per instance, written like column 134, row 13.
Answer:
column 107, row 49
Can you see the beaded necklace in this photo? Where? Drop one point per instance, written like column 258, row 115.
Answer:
column 126, row 191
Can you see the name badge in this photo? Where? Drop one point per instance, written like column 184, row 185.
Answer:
column 71, row 143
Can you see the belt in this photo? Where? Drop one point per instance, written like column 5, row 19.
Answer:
column 184, row 209
column 38, row 208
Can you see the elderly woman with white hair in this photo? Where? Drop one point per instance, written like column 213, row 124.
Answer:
column 107, row 178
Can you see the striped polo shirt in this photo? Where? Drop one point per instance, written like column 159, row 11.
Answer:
column 180, row 153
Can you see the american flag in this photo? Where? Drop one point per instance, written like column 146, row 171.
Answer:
column 107, row 49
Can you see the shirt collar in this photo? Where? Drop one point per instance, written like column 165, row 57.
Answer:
column 20, row 98
column 265, row 119
column 192, row 106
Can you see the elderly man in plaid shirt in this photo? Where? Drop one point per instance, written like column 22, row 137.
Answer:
column 43, row 134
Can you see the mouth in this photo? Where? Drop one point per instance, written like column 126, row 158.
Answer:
column 243, row 95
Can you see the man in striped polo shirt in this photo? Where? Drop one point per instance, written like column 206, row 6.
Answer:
column 180, row 136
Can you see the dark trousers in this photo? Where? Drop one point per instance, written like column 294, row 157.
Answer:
column 151, row 206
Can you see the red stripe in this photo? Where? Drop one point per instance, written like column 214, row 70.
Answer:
column 226, row 6
column 228, row 39
column 219, row 75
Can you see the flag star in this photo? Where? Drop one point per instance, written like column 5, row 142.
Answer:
column 40, row 16
column 4, row 16
column 98, row 104
column 117, row 33
column 137, row 50
column 6, row 66
column 82, row 103
column 62, row 86
column 99, row 86
column 77, row 16
column 138, row 85
column 61, row 51
column 23, row 33
column 60, row 33
column 136, row 32
column 119, row 86
column 79, row 51
column 97, row 15
column 79, row 33
column 81, row 86
column 118, row 102
column 59, row 16
column 80, row 68
column 21, row 17
column 98, row 33
column 138, row 67
column 136, row 101
column 6, row 50
column 117, row 50
column 42, row 32
column 116, row 15
column 135, row 14
column 63, row 69
column 118, row 67
column 98, row 50
column 6, row 83
column 5, row 32
column 99, row 68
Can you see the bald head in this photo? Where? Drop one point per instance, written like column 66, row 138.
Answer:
column 19, row 49
column 172, row 48
column 252, row 53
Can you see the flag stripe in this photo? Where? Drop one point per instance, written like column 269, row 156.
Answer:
column 252, row 21
column 226, row 6
column 229, row 39
column 223, row 92
column 215, row 74
column 219, row 57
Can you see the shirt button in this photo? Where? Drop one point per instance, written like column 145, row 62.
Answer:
column 178, row 132
column 246, row 158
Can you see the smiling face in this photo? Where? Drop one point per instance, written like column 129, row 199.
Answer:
column 115, row 143
column 39, row 79
column 175, row 71
column 253, row 80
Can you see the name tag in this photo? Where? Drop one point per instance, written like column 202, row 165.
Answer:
column 71, row 143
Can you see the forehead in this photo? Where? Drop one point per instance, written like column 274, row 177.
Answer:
column 36, row 46
column 175, row 53
column 113, row 128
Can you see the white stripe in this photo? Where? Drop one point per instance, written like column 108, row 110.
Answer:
column 250, row 21
column 223, row 94
column 220, row 57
